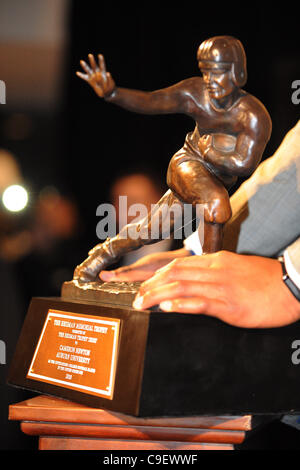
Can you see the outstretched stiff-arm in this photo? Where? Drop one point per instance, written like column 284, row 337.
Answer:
column 174, row 99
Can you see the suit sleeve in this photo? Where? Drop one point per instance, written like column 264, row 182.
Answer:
column 266, row 208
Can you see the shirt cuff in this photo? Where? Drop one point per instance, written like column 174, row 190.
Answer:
column 293, row 274
column 192, row 243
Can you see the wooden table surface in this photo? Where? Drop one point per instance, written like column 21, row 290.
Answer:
column 61, row 424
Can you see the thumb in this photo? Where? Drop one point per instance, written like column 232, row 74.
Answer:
column 130, row 273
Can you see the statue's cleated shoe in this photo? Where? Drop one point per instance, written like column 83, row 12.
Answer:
column 99, row 258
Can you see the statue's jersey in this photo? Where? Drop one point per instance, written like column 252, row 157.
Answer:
column 225, row 125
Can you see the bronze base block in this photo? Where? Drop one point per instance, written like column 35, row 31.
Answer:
column 115, row 293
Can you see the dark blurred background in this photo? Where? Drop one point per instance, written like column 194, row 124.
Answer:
column 66, row 146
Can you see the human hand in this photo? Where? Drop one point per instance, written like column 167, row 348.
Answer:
column 97, row 76
column 144, row 268
column 205, row 143
column 244, row 291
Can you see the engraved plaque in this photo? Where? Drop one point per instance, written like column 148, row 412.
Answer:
column 78, row 352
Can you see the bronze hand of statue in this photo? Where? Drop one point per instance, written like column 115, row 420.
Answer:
column 205, row 143
column 97, row 76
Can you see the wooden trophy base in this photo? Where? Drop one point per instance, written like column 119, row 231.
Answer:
column 104, row 354
column 63, row 425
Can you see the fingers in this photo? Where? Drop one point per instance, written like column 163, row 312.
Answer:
column 201, row 261
column 97, row 76
column 137, row 271
column 141, row 270
column 196, row 305
column 94, row 67
column 102, row 65
column 126, row 273
column 85, row 67
column 106, row 76
column 83, row 76
column 176, row 290
column 180, row 274
column 93, row 63
column 193, row 268
column 108, row 276
column 206, row 137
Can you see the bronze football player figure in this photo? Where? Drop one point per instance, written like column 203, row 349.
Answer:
column 231, row 132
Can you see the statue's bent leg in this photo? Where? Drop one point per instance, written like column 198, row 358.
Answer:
column 216, row 213
column 193, row 183
column 158, row 225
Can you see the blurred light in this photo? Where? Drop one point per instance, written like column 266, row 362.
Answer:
column 15, row 198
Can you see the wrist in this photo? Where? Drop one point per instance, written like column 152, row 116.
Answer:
column 111, row 94
column 293, row 288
